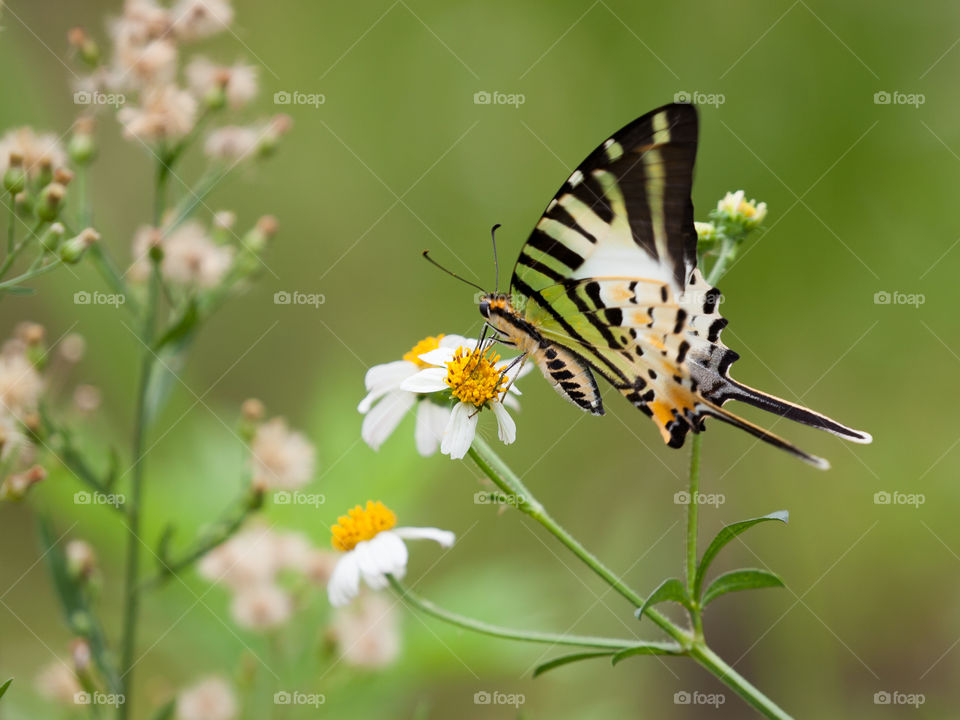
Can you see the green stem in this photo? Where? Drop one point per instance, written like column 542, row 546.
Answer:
column 251, row 502
column 11, row 226
column 479, row 626
column 502, row 476
column 132, row 576
column 693, row 508
column 12, row 255
column 29, row 274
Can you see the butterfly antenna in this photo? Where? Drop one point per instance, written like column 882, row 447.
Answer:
column 496, row 262
column 426, row 254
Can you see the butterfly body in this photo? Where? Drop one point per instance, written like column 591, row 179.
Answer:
column 607, row 284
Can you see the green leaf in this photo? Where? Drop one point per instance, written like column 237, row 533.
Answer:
column 647, row 649
column 5, row 687
column 726, row 535
column 669, row 590
column 181, row 328
column 567, row 659
column 735, row 580
column 166, row 712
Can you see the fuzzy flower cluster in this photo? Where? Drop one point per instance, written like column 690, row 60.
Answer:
column 139, row 76
column 734, row 209
column 450, row 379
column 251, row 565
column 281, row 458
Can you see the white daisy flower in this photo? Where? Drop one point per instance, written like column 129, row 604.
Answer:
column 210, row 699
column 373, row 548
column 478, row 379
column 386, row 404
column 735, row 207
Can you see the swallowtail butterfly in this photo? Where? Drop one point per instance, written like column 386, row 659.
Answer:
column 607, row 285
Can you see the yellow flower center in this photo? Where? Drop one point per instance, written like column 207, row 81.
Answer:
column 747, row 209
column 473, row 377
column 424, row 346
column 361, row 524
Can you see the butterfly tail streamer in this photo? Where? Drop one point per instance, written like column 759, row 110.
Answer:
column 711, row 410
column 791, row 411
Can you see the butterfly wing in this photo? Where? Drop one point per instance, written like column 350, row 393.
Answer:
column 609, row 273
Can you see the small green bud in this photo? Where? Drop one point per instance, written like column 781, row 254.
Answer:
column 51, row 237
column 256, row 240
column 73, row 249
column 82, row 148
column 15, row 178
column 86, row 47
column 50, row 202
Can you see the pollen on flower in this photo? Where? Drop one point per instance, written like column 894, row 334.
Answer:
column 474, row 378
column 360, row 524
column 424, row 346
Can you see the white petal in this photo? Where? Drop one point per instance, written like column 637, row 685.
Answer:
column 460, row 431
column 431, row 421
column 344, row 583
column 369, row 566
column 389, row 552
column 506, row 427
column 455, row 341
column 426, row 381
column 511, row 402
column 444, row 537
column 384, row 417
column 381, row 379
column 439, row 356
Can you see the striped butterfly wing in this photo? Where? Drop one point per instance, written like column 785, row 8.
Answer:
column 609, row 273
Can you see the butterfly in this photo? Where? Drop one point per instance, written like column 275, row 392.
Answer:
column 607, row 285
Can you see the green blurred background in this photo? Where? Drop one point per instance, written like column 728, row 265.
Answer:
column 398, row 159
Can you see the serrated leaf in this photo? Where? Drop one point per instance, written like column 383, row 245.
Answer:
column 669, row 590
column 5, row 687
column 647, row 649
column 568, row 659
column 725, row 536
column 746, row 579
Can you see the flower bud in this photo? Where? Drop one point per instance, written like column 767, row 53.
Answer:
column 278, row 126
column 45, row 171
column 15, row 178
column 63, row 176
column 16, row 486
column 87, row 49
column 80, row 652
column 81, row 560
column 51, row 237
column 82, row 149
column 50, row 202
column 253, row 410
column 72, row 250
column 256, row 240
